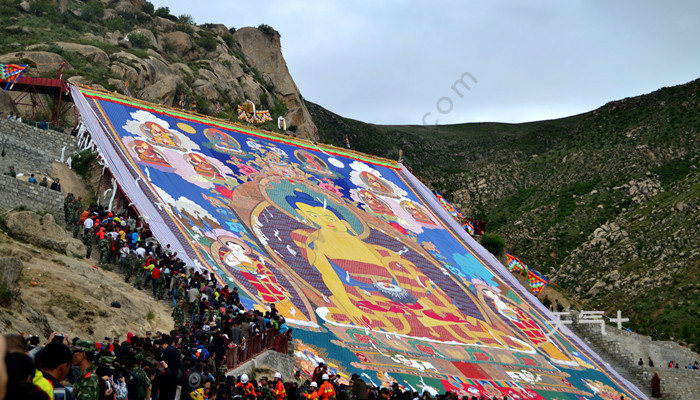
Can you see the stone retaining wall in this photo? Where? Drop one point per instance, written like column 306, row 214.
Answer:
column 31, row 150
column 17, row 193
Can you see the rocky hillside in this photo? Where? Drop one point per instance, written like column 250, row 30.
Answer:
column 128, row 47
column 45, row 287
column 606, row 203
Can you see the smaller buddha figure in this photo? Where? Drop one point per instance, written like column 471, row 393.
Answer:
column 147, row 154
column 374, row 203
column 160, row 135
column 222, row 142
column 376, row 184
column 235, row 255
column 416, row 212
column 202, row 166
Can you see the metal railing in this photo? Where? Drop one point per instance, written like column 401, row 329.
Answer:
column 250, row 348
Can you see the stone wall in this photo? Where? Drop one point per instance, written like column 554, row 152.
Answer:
column 269, row 360
column 31, row 150
column 624, row 349
column 17, row 193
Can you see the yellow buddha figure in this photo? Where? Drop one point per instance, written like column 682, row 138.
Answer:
column 371, row 285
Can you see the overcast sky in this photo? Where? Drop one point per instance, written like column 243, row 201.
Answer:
column 396, row 62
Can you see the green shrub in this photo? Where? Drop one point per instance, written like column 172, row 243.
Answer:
column 188, row 29
column 168, row 46
column 493, row 243
column 41, row 7
column 140, row 40
column 207, row 42
column 164, row 12
column 82, row 162
column 93, row 11
column 149, row 9
column 269, row 31
column 228, row 38
column 186, row 19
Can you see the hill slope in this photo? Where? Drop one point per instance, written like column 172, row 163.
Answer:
column 604, row 202
column 128, row 47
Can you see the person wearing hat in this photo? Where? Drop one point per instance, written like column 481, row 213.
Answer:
column 247, row 387
column 264, row 392
column 87, row 387
column 278, row 388
column 326, row 391
column 358, row 387
column 313, row 392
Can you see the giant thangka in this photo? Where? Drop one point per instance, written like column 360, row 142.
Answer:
column 374, row 275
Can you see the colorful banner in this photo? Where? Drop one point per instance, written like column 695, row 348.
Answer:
column 537, row 281
column 11, row 73
column 357, row 255
column 515, row 265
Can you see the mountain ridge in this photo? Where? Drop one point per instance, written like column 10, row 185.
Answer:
column 591, row 199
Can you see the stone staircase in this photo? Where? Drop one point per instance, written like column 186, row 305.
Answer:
column 622, row 350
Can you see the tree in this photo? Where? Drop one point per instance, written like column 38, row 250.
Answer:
column 164, row 12
column 493, row 243
column 186, row 19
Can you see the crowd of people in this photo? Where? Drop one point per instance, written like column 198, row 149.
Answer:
column 174, row 366
column 188, row 362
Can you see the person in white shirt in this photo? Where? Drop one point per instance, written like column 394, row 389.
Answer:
column 140, row 251
column 87, row 225
column 123, row 252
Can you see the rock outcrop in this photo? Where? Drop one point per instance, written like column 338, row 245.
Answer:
column 42, row 231
column 146, row 58
column 10, row 271
column 263, row 51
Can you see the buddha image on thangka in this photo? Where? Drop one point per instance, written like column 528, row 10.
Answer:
column 146, row 153
column 222, row 142
column 352, row 274
column 202, row 166
column 159, row 135
column 377, row 184
column 374, row 203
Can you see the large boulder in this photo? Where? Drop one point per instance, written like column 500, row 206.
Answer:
column 146, row 33
column 148, row 71
column 164, row 24
column 45, row 61
column 180, row 41
column 43, row 231
column 161, row 89
column 91, row 53
column 219, row 29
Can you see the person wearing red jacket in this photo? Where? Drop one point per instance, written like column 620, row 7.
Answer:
column 155, row 274
column 278, row 391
